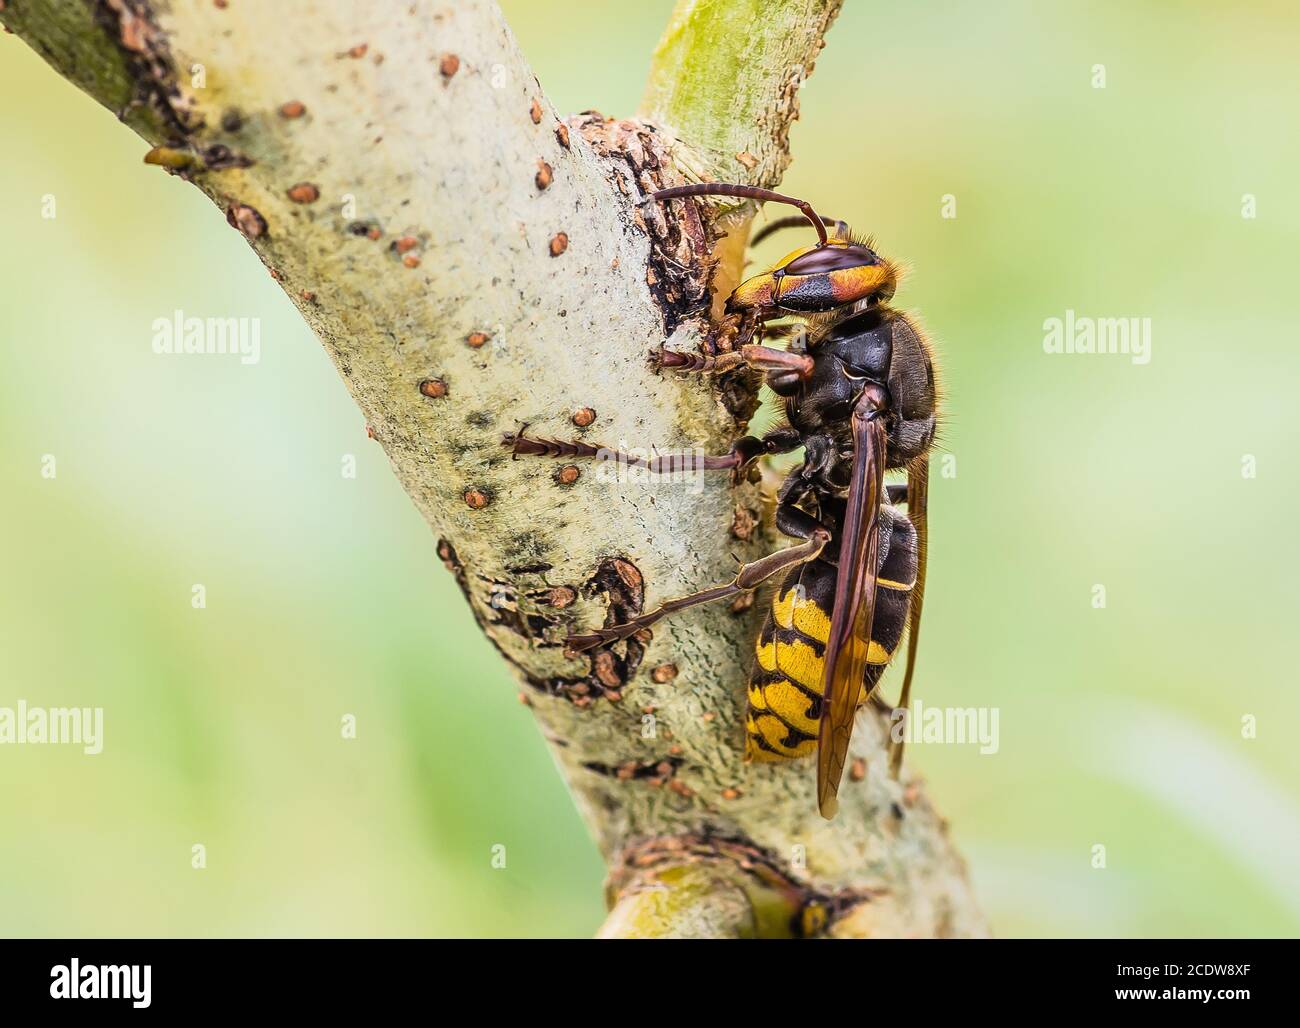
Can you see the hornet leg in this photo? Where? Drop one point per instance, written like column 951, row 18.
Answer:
column 750, row 576
column 761, row 358
column 743, row 450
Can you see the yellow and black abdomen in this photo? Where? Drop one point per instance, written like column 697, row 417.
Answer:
column 785, row 689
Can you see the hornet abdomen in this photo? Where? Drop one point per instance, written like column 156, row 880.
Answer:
column 785, row 689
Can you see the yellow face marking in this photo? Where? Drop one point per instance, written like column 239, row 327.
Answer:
column 888, row 583
column 849, row 284
column 753, row 292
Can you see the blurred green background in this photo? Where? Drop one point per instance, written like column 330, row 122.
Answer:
column 1119, row 727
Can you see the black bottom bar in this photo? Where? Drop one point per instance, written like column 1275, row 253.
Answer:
column 81, row 978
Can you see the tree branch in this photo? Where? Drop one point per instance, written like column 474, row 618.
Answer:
column 471, row 262
column 726, row 77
